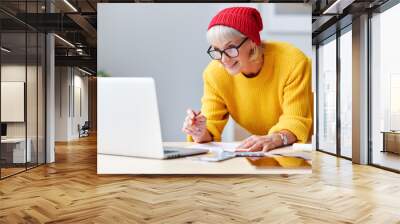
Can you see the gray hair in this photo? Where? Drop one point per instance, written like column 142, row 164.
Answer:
column 222, row 34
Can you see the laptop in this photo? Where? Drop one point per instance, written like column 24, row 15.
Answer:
column 128, row 122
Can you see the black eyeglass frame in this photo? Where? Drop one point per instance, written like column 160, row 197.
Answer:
column 210, row 50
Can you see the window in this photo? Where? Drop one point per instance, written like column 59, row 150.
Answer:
column 327, row 96
column 22, row 77
column 385, row 89
column 346, row 93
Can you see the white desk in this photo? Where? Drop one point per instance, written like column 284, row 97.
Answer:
column 108, row 164
column 19, row 155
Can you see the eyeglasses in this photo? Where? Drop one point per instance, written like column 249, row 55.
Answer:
column 231, row 52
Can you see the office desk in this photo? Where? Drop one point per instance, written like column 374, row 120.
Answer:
column 17, row 151
column 108, row 164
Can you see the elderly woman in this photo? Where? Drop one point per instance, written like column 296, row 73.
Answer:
column 264, row 86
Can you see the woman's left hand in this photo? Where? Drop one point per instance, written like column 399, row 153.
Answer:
column 263, row 143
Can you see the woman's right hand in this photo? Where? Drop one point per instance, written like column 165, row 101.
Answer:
column 195, row 126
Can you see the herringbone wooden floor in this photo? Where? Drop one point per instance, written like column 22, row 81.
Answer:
column 70, row 191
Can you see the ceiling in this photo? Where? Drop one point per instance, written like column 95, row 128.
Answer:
column 76, row 21
column 332, row 15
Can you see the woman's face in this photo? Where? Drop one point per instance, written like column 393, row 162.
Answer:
column 240, row 63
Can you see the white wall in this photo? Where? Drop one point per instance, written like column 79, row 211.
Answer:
column 81, row 82
column 168, row 42
column 14, row 72
column 288, row 22
column 79, row 117
column 61, row 103
column 12, row 101
column 17, row 73
column 68, row 82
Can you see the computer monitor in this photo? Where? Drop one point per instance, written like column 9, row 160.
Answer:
column 3, row 129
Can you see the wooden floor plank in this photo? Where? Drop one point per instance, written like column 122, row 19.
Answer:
column 70, row 191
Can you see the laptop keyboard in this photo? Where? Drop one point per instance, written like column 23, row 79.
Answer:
column 166, row 151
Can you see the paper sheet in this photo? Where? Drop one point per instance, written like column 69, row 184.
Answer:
column 217, row 146
column 297, row 150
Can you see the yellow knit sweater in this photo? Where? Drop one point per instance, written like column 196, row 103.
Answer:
column 279, row 97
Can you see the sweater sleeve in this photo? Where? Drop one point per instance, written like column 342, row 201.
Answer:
column 297, row 103
column 213, row 108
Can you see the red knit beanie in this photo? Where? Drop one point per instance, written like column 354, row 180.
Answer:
column 244, row 19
